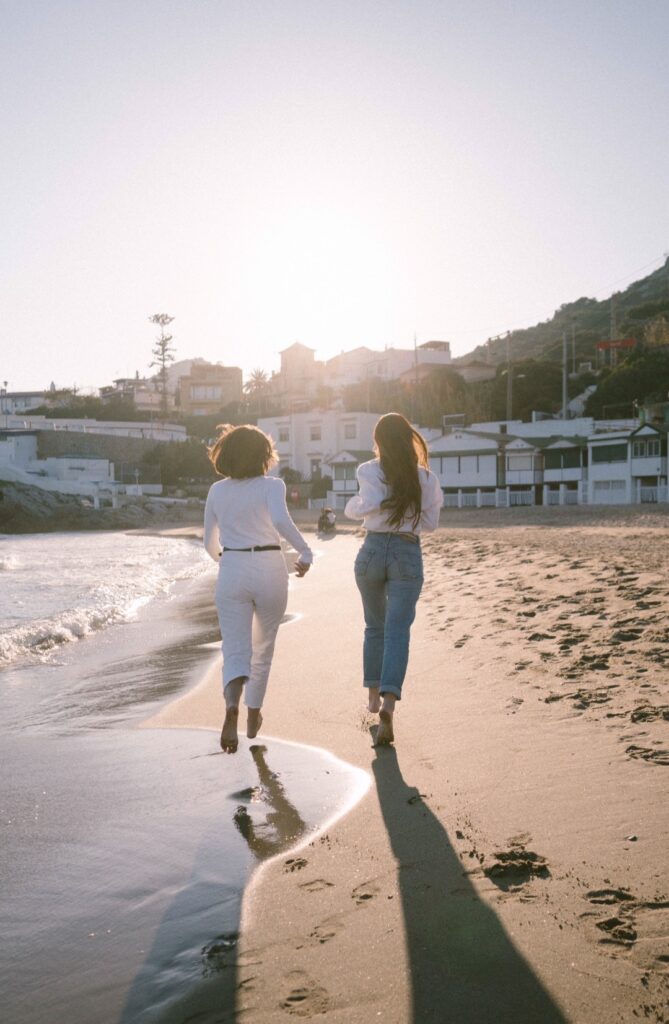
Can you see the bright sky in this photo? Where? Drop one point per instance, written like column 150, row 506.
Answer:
column 338, row 172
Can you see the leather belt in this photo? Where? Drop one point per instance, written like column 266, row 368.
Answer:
column 258, row 547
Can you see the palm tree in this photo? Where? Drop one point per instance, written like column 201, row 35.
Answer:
column 256, row 387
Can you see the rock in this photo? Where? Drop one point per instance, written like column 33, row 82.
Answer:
column 27, row 509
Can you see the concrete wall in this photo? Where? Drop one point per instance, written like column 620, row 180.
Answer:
column 101, row 446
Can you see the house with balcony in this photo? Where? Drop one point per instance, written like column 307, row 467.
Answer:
column 609, row 468
column 523, row 471
column 468, row 467
column 566, row 471
column 343, row 468
column 208, row 388
column 649, row 463
column 141, row 393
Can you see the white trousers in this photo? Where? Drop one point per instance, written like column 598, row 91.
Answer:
column 251, row 599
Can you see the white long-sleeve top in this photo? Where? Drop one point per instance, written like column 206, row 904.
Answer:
column 366, row 504
column 250, row 513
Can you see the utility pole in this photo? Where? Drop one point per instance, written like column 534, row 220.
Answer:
column 415, row 363
column 573, row 346
column 565, row 398
column 614, row 329
column 509, row 378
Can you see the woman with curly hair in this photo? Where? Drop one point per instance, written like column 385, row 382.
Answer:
column 244, row 519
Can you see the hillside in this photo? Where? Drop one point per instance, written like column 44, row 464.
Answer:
column 635, row 307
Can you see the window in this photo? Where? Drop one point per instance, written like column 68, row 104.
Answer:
column 344, row 471
column 315, row 467
column 639, row 449
column 610, row 452
column 315, row 432
column 654, row 447
column 284, row 434
column 518, row 462
column 349, row 431
column 205, row 393
column 567, row 458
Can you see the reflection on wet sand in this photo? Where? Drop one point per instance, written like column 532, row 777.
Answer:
column 187, row 976
column 282, row 825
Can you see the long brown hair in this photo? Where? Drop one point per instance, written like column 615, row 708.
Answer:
column 400, row 450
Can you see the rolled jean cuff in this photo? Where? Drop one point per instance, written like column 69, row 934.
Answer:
column 371, row 683
column 394, row 690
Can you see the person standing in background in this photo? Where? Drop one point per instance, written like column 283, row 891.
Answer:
column 399, row 498
column 245, row 517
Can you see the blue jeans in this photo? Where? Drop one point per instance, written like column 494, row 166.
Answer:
column 389, row 575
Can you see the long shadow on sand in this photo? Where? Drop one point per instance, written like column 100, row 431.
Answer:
column 464, row 967
column 184, row 979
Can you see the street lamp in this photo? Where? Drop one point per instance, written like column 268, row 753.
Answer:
column 3, row 396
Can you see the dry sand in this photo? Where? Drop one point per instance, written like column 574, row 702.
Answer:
column 508, row 863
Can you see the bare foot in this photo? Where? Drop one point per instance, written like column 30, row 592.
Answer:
column 374, row 699
column 384, row 733
column 253, row 722
column 229, row 738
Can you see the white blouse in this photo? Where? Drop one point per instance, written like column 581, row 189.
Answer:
column 250, row 513
column 366, row 505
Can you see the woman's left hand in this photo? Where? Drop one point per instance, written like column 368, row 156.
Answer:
column 301, row 568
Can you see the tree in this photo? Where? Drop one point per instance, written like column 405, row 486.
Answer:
column 163, row 354
column 257, row 388
column 320, row 486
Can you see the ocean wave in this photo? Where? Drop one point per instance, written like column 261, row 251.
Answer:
column 40, row 638
column 73, row 588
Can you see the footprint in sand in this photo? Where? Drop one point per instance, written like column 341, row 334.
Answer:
column 302, row 996
column 650, row 713
column 619, row 931
column 294, row 864
column 608, row 896
column 462, row 641
column 367, row 891
column 316, row 885
column 326, row 930
column 657, row 756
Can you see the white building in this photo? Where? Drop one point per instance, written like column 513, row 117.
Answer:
column 364, row 364
column 151, row 431
column 13, row 402
column 610, row 469
column 306, row 441
column 65, row 474
column 467, row 467
column 628, row 467
column 566, row 471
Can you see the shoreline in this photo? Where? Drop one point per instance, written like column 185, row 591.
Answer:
column 503, row 787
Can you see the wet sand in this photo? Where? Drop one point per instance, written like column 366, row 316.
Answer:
column 509, row 861
column 125, row 852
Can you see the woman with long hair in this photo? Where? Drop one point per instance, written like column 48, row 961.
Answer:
column 244, row 519
column 399, row 498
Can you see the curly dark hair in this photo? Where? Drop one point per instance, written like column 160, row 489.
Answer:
column 401, row 450
column 242, row 452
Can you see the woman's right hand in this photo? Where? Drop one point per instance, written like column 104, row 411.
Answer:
column 302, row 568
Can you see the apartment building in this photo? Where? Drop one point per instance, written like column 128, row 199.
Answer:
column 308, row 441
column 208, row 387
